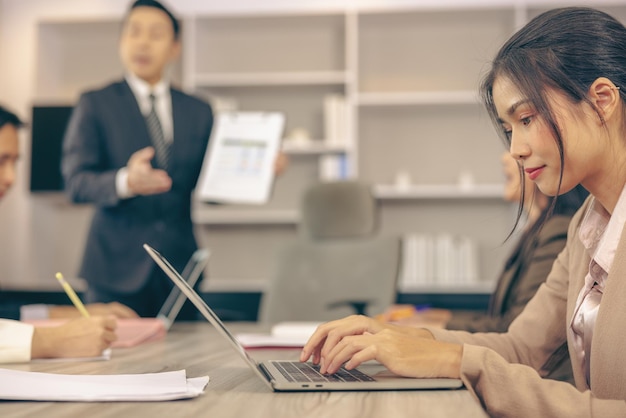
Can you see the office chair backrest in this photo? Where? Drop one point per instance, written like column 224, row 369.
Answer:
column 324, row 281
column 344, row 209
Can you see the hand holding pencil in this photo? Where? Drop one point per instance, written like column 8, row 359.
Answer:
column 115, row 309
column 81, row 337
column 73, row 296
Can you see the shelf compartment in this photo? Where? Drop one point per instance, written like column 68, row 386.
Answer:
column 269, row 44
column 423, row 50
column 428, row 144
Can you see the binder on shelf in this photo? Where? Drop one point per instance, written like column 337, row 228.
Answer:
column 238, row 166
column 336, row 121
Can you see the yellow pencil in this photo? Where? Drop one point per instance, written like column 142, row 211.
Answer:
column 72, row 295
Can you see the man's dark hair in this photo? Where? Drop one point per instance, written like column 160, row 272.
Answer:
column 157, row 5
column 9, row 118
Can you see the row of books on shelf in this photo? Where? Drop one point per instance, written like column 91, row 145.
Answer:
column 442, row 259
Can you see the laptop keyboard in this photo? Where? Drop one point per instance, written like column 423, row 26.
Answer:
column 308, row 372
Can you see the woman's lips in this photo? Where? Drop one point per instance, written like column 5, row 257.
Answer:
column 534, row 172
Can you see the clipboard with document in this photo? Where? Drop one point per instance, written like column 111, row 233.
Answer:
column 238, row 166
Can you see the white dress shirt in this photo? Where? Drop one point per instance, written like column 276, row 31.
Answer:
column 600, row 233
column 163, row 107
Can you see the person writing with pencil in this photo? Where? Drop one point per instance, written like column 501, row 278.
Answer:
column 85, row 336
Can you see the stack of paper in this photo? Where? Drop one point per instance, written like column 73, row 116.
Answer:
column 283, row 335
column 33, row 386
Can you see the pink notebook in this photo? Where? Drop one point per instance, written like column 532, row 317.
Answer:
column 130, row 332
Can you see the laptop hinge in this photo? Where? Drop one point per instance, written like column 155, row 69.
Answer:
column 265, row 372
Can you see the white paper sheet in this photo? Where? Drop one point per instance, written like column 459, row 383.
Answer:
column 283, row 335
column 239, row 164
column 22, row 385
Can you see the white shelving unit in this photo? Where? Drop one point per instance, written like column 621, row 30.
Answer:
column 409, row 76
column 396, row 99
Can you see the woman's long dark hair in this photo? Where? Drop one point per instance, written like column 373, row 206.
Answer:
column 566, row 205
column 564, row 49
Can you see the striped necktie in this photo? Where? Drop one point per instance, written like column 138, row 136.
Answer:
column 161, row 147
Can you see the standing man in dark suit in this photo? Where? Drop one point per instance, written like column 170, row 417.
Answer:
column 135, row 149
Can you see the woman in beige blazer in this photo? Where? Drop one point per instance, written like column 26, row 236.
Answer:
column 528, row 266
column 556, row 93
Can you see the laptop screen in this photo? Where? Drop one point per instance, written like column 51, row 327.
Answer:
column 191, row 273
column 204, row 309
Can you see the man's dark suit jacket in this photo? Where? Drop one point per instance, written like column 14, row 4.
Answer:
column 9, row 309
column 105, row 129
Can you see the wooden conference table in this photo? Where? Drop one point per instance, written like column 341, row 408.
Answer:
column 233, row 390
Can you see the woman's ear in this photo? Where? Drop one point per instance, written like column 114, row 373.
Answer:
column 605, row 96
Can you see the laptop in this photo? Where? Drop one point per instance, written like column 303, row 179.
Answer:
column 132, row 332
column 297, row 376
column 176, row 299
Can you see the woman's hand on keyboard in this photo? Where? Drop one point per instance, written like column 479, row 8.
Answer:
column 405, row 351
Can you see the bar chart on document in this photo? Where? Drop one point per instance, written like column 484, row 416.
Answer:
column 239, row 164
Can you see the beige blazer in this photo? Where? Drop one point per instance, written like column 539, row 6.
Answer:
column 527, row 268
column 535, row 338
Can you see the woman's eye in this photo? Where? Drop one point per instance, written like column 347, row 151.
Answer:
column 526, row 121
